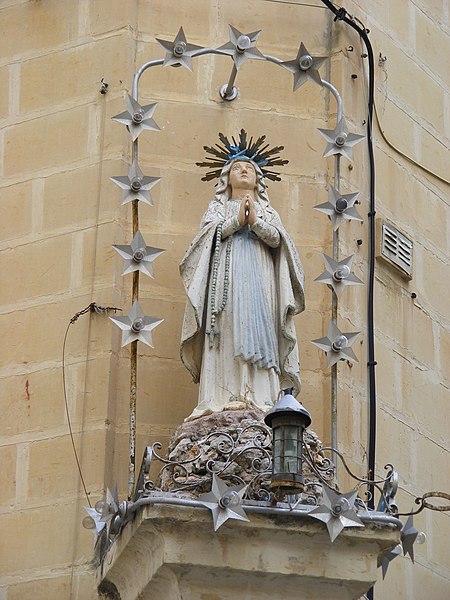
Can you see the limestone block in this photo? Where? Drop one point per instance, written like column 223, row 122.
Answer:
column 437, row 537
column 304, row 148
column 432, row 45
column 419, row 339
column 293, row 24
column 42, row 589
column 4, row 92
column 414, row 206
column 52, row 477
column 17, row 220
column 47, row 142
column 396, row 442
column 428, row 583
column 389, row 372
column 80, row 585
column 116, row 141
column 425, row 97
column 71, row 197
column 401, row 21
column 93, row 257
column 93, row 388
column 399, row 126
column 167, row 393
column 40, row 25
column 75, row 73
column 8, row 487
column 185, row 130
column 163, row 18
column 35, row 269
column 28, row 330
column 110, row 15
column 432, row 461
column 23, row 529
column 29, row 402
column 445, row 353
column 308, row 227
column 434, row 8
column 435, row 276
column 426, row 399
column 433, row 154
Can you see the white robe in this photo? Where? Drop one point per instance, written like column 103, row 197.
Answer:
column 254, row 354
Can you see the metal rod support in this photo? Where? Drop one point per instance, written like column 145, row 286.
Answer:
column 373, row 517
column 334, row 315
column 230, row 92
column 133, row 358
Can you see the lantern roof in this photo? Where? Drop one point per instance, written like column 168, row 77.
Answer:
column 287, row 405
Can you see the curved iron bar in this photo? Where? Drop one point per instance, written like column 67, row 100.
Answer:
column 171, row 462
column 261, row 434
column 422, row 500
column 387, row 467
column 204, row 51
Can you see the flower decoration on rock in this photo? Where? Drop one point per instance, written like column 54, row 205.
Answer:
column 138, row 256
column 179, row 52
column 137, row 118
column 340, row 140
column 241, row 46
column 337, row 511
column 224, row 502
column 339, row 207
column 136, row 185
column 337, row 345
column 304, row 67
column 136, row 326
column 338, row 274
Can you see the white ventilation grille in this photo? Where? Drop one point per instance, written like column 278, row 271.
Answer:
column 396, row 248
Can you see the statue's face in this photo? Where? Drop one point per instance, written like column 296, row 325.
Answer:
column 242, row 175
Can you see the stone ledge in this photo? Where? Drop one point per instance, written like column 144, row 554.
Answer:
column 172, row 552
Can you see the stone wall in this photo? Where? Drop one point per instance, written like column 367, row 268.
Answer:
column 60, row 215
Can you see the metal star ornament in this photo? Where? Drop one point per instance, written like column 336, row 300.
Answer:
column 340, row 141
column 340, row 207
column 136, row 326
column 408, row 536
column 179, row 53
column 304, row 67
column 138, row 256
column 390, row 556
column 338, row 274
column 241, row 46
column 104, row 514
column 224, row 502
column 337, row 345
column 136, row 185
column 337, row 512
column 137, row 118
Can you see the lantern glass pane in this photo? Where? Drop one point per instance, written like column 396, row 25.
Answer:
column 291, row 448
column 277, row 452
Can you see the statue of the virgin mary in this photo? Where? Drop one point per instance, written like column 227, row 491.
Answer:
column 244, row 284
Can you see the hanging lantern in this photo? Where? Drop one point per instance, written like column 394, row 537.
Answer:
column 288, row 420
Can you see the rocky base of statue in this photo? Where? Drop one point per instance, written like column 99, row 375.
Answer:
column 235, row 444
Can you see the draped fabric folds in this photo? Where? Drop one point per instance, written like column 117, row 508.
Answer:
column 255, row 353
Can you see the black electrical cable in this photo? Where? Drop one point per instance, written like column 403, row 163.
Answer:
column 341, row 14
